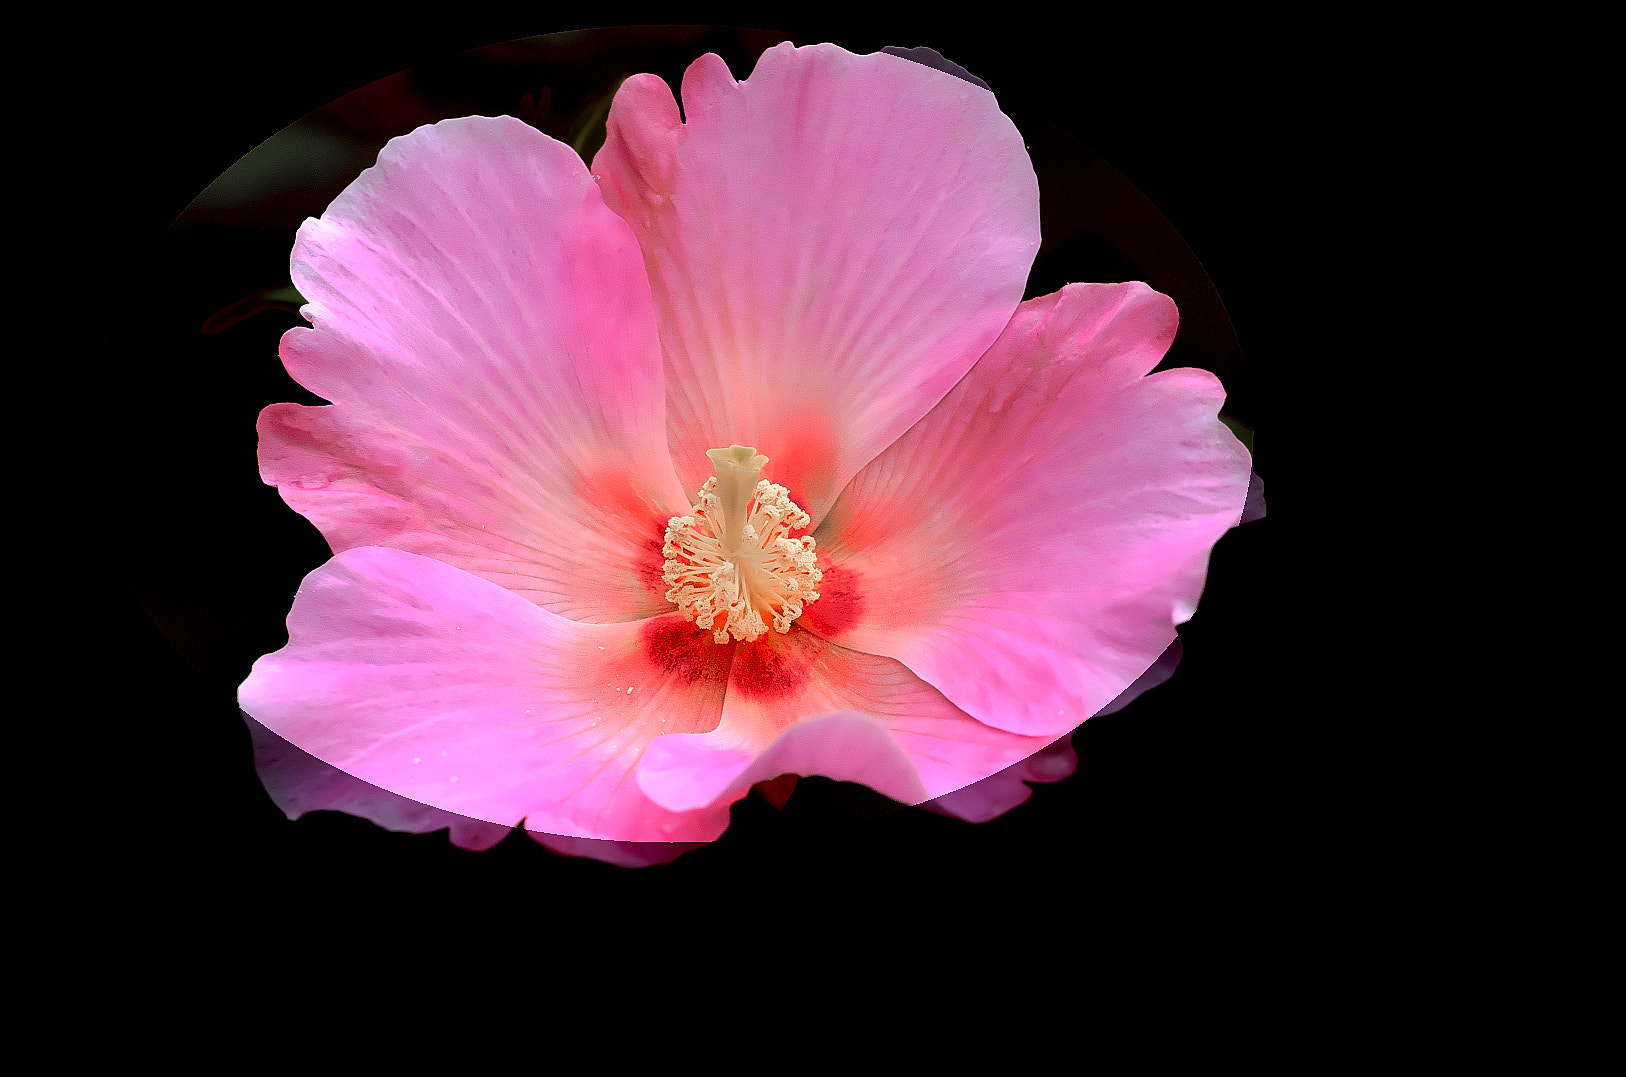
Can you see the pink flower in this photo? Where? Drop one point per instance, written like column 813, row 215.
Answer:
column 736, row 457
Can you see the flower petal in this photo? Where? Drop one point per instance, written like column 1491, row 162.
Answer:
column 298, row 782
column 623, row 854
column 483, row 326
column 695, row 771
column 1157, row 673
column 832, row 243
column 999, row 793
column 444, row 688
column 1030, row 546
column 1255, row 507
column 798, row 704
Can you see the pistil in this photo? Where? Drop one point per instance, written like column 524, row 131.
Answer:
column 732, row 560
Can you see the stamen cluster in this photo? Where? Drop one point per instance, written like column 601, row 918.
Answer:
column 766, row 573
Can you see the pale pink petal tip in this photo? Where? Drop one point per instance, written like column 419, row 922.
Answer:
column 999, row 793
column 298, row 782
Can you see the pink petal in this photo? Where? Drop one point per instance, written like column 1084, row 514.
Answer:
column 1157, row 673
column 1029, row 548
column 484, row 329
column 444, row 688
column 298, row 782
column 799, row 705
column 1255, row 507
column 696, row 770
column 999, row 793
column 623, row 854
column 832, row 243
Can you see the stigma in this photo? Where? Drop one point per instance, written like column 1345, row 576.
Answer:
column 731, row 564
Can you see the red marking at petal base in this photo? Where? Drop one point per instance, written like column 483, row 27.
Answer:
column 805, row 461
column 839, row 606
column 652, row 564
column 619, row 499
column 685, row 651
column 763, row 671
column 776, row 791
column 626, row 507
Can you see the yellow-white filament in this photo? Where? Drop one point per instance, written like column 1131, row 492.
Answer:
column 731, row 564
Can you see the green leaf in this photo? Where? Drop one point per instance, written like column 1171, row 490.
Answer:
column 286, row 297
column 1243, row 432
column 587, row 133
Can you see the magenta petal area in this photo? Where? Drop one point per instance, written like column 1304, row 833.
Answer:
column 1030, row 546
column 484, row 329
column 1157, row 673
column 623, row 854
column 1255, row 507
column 797, row 704
column 448, row 690
column 999, row 793
column 847, row 746
column 298, row 782
column 831, row 243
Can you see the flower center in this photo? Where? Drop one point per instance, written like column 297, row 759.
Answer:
column 732, row 560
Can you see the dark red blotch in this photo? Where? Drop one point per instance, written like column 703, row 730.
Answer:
column 762, row 671
column 686, row 652
column 840, row 603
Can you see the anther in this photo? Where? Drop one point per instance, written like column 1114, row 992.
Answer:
column 732, row 559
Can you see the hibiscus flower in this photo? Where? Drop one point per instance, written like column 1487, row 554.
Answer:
column 737, row 455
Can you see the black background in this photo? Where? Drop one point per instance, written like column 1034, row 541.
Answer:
column 1186, row 806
